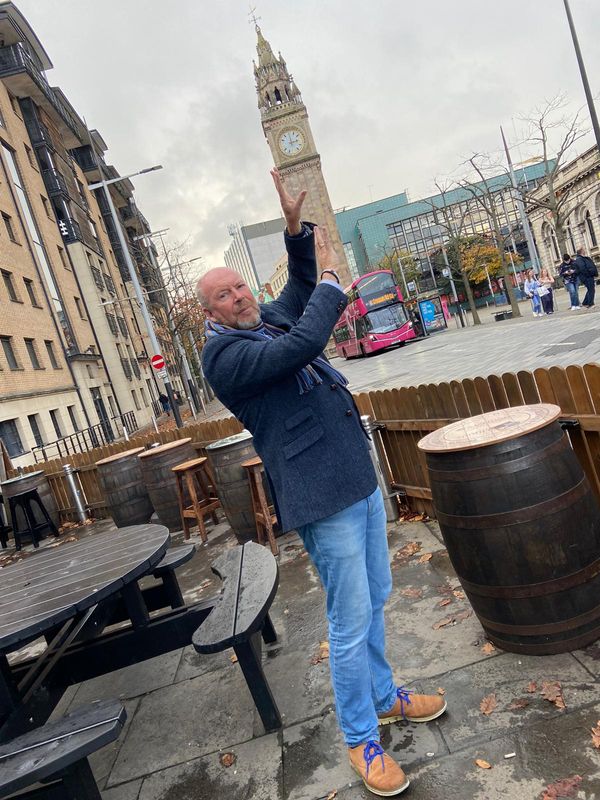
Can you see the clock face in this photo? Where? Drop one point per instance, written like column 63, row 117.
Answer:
column 291, row 142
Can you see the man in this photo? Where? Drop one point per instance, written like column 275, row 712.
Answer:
column 587, row 272
column 265, row 364
column 568, row 272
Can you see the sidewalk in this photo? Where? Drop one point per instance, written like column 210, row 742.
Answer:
column 185, row 711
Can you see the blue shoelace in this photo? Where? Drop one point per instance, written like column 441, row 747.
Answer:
column 372, row 750
column 404, row 696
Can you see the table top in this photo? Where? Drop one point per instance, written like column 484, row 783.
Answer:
column 54, row 584
column 491, row 428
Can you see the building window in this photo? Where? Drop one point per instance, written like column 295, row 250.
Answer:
column 144, row 397
column 35, row 429
column 54, row 416
column 9, row 353
column 46, row 205
column 63, row 258
column 31, row 292
column 73, row 417
column 33, row 356
column 113, row 408
column 9, row 434
column 51, row 354
column 10, row 286
column 149, row 385
column 31, row 157
column 15, row 105
column 9, row 227
column 135, row 399
column 590, row 227
column 79, row 305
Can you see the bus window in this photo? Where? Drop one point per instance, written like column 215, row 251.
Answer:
column 386, row 319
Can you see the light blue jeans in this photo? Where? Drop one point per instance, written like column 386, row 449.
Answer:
column 572, row 288
column 350, row 551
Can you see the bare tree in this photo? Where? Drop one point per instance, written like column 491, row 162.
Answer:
column 547, row 122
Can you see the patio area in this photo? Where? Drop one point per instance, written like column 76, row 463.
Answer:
column 193, row 732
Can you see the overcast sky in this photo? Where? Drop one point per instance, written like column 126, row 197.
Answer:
column 398, row 92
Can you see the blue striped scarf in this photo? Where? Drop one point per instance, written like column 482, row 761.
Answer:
column 310, row 376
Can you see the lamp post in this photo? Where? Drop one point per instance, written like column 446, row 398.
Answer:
column 104, row 184
column 584, row 79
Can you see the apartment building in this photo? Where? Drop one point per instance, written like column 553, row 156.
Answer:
column 74, row 350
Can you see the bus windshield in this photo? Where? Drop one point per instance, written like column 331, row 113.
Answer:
column 374, row 285
column 386, row 319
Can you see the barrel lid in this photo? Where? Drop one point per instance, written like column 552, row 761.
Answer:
column 163, row 447
column 238, row 437
column 22, row 477
column 490, row 428
column 118, row 456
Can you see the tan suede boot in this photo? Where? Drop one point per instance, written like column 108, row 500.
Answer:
column 414, row 707
column 379, row 772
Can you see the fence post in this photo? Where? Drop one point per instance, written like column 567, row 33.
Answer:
column 389, row 497
column 76, row 493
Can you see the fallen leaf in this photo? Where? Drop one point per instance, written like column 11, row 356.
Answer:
column 442, row 623
column 322, row 654
column 488, row 704
column 563, row 788
column 483, row 764
column 233, row 658
column 406, row 552
column 227, row 759
column 440, row 690
column 488, row 648
column 531, row 687
column 411, row 591
column 463, row 615
column 445, row 602
column 457, row 593
column 331, row 795
column 424, row 558
column 552, row 692
column 518, row 702
column 596, row 735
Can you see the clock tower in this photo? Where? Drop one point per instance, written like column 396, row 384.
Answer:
column 286, row 127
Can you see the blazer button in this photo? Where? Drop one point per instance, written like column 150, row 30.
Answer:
column 348, row 413
column 333, row 386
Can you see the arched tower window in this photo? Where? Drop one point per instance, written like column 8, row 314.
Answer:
column 277, row 95
column 267, row 99
column 590, row 227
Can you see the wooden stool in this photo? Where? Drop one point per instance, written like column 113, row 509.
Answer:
column 263, row 513
column 204, row 503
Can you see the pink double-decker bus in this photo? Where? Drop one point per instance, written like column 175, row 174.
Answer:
column 375, row 317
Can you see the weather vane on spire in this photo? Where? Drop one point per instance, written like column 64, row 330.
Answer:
column 253, row 17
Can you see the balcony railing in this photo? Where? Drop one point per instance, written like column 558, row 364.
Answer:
column 112, row 324
column 14, row 59
column 40, row 135
column 55, row 183
column 97, row 275
column 123, row 327
column 136, row 368
column 87, row 439
column 70, row 230
column 126, row 368
column 109, row 283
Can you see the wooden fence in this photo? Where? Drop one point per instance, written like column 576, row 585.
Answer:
column 408, row 414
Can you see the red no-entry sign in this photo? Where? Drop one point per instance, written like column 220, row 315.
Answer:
column 157, row 361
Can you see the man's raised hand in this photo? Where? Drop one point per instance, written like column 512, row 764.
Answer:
column 326, row 255
column 291, row 206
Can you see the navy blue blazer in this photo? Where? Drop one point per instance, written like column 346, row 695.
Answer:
column 313, row 445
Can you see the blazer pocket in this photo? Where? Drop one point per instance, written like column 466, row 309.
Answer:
column 297, row 419
column 303, row 442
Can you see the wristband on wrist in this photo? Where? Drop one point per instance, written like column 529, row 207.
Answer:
column 330, row 272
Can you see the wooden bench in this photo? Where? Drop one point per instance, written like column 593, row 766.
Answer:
column 57, row 754
column 240, row 617
column 165, row 571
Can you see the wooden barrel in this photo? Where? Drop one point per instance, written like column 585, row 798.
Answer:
column 160, row 482
column 120, row 478
column 31, row 480
column 521, row 525
column 231, row 482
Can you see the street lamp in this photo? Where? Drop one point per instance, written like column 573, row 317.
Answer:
column 584, row 79
column 104, row 184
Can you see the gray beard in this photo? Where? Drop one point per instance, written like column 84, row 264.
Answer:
column 249, row 324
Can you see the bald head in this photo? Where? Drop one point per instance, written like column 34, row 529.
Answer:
column 226, row 298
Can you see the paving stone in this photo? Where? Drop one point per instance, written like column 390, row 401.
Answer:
column 184, row 721
column 256, row 774
column 132, row 681
column 193, row 664
column 590, row 658
column 315, row 756
column 102, row 760
column 507, row 676
column 544, row 754
column 301, row 689
column 125, row 791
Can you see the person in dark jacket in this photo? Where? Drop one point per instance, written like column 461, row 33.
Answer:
column 165, row 403
column 568, row 273
column 587, row 272
column 265, row 364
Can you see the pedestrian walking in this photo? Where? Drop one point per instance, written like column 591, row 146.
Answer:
column 531, row 287
column 546, row 291
column 165, row 403
column 568, row 273
column 265, row 364
column 587, row 272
